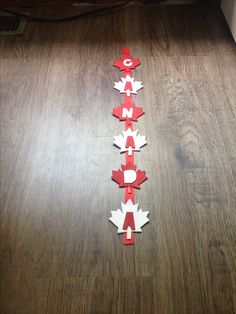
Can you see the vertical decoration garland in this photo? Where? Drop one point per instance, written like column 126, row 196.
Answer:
column 129, row 219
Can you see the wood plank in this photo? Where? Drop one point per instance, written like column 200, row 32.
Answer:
column 59, row 253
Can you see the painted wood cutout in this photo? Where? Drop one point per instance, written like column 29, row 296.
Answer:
column 128, row 219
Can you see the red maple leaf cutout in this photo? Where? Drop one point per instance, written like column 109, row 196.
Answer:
column 128, row 111
column 118, row 176
column 126, row 62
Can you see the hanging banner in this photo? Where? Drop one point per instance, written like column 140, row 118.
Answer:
column 129, row 219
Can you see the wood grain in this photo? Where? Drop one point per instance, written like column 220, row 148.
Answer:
column 59, row 253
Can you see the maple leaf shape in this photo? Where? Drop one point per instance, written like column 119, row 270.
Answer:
column 118, row 217
column 128, row 112
column 128, row 85
column 128, row 176
column 126, row 63
column 130, row 141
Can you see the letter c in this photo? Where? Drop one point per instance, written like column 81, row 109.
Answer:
column 127, row 62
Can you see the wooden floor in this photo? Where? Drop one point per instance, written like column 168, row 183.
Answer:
column 59, row 253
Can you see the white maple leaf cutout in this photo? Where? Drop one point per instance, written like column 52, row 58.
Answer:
column 118, row 217
column 136, row 85
column 120, row 141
